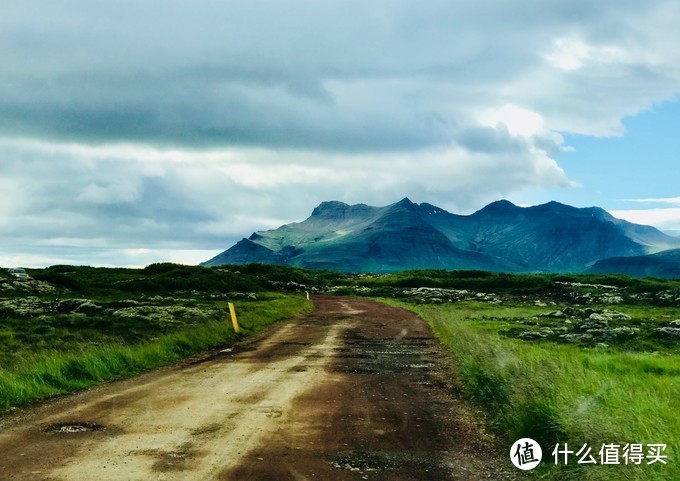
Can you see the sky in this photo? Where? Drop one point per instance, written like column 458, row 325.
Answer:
column 142, row 131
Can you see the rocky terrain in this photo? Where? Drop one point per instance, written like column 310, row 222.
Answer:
column 588, row 316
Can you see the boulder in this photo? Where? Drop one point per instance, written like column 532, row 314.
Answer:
column 531, row 335
column 669, row 331
column 576, row 337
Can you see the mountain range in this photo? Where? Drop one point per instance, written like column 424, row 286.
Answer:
column 504, row 237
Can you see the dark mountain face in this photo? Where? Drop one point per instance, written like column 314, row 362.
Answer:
column 501, row 237
column 663, row 264
column 552, row 237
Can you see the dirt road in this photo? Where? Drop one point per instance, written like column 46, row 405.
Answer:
column 355, row 390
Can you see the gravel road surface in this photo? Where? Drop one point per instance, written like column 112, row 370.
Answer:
column 356, row 390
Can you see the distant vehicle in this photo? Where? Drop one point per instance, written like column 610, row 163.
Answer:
column 18, row 272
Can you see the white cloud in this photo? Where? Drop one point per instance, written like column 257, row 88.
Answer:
column 519, row 121
column 664, row 218
column 667, row 219
column 574, row 54
column 666, row 200
column 124, row 192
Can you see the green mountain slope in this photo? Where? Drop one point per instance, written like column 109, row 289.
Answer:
column 500, row 237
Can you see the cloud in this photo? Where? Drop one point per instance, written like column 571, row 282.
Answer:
column 665, row 219
column 136, row 131
column 340, row 76
column 666, row 200
column 517, row 120
column 112, row 193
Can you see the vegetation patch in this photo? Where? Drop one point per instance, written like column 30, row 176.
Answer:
column 57, row 338
column 558, row 358
column 544, row 387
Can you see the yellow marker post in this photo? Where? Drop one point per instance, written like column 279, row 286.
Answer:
column 232, row 311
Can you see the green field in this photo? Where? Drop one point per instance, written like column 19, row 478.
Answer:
column 577, row 359
column 620, row 392
column 69, row 328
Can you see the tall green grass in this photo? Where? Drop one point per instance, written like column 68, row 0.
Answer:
column 563, row 393
column 46, row 373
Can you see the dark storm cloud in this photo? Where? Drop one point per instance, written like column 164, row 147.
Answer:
column 346, row 76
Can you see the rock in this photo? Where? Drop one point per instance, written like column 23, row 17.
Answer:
column 242, row 295
column 669, row 331
column 89, row 308
column 31, row 286
column 625, row 331
column 611, row 315
column 595, row 286
column 80, row 306
column 438, row 295
column 531, row 335
column 590, row 324
column 671, row 297
column 607, row 315
column 599, row 332
column 166, row 315
column 576, row 337
column 575, row 312
column 289, row 286
column 22, row 307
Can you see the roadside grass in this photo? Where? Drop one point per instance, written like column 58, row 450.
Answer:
column 34, row 375
column 557, row 393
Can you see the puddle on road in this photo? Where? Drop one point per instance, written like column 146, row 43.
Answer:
column 72, row 428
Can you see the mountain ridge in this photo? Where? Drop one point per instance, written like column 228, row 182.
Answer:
column 551, row 237
column 662, row 264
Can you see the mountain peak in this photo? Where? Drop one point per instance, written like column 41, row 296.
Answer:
column 330, row 208
column 431, row 209
column 499, row 207
column 553, row 204
column 554, row 207
column 405, row 202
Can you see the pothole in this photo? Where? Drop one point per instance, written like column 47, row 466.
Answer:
column 73, row 427
column 366, row 462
